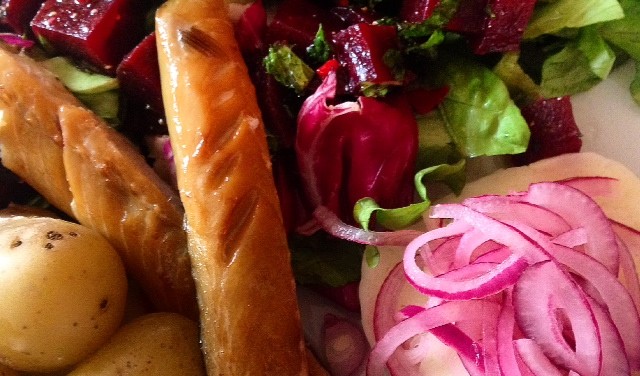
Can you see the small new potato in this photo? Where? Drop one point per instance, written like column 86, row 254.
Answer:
column 156, row 344
column 62, row 291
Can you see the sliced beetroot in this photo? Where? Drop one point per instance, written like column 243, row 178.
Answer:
column 99, row 32
column 424, row 101
column 251, row 29
column 15, row 15
column 279, row 105
column 416, row 11
column 296, row 23
column 139, row 75
column 493, row 25
column 361, row 50
column 553, row 129
column 343, row 17
column 469, row 18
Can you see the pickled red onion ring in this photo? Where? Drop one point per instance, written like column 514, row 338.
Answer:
column 563, row 286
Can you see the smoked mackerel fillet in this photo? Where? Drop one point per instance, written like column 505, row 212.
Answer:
column 237, row 242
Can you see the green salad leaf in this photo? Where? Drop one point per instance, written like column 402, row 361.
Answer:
column 398, row 218
column 480, row 115
column 98, row 92
column 625, row 32
column 551, row 17
column 580, row 65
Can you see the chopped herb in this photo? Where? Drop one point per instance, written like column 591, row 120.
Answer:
column 374, row 90
column 319, row 51
column 287, row 68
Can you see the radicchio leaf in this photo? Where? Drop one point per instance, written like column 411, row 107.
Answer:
column 356, row 149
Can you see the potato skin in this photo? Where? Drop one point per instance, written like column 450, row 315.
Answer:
column 63, row 290
column 154, row 344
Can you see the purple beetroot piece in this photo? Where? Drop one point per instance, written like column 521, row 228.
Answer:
column 99, row 32
column 296, row 23
column 493, row 25
column 15, row 15
column 139, row 75
column 416, row 11
column 361, row 50
column 553, row 129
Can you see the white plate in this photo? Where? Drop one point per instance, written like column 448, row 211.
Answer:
column 609, row 119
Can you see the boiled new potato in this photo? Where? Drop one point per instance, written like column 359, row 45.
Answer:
column 62, row 291
column 155, row 344
column 6, row 371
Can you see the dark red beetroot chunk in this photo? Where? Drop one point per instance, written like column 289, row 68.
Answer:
column 279, row 107
column 250, row 30
column 99, row 32
column 493, row 25
column 15, row 15
column 360, row 49
column 296, row 22
column 553, row 129
column 416, row 11
column 139, row 75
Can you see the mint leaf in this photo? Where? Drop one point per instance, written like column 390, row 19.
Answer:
column 287, row 68
column 319, row 51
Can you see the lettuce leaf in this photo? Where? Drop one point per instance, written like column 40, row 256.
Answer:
column 98, row 92
column 580, row 65
column 452, row 175
column 480, row 115
column 554, row 16
column 625, row 33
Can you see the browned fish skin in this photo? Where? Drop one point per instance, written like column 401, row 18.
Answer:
column 85, row 168
column 115, row 192
column 238, row 247
column 30, row 139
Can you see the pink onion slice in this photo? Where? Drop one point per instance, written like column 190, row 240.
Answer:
column 619, row 303
column 422, row 322
column 563, row 295
column 592, row 186
column 542, row 291
column 579, row 210
column 508, row 207
column 534, row 359
column 620, row 306
column 505, row 332
column 334, row 226
column 630, row 239
column 614, row 361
